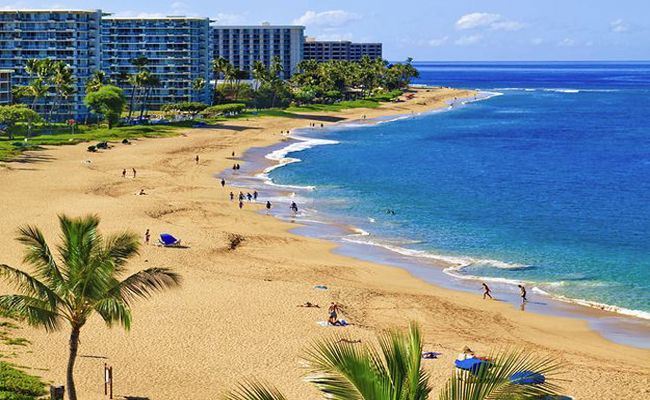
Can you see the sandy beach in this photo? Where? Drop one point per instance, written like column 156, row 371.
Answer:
column 236, row 314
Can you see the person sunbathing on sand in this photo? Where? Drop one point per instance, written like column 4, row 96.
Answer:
column 309, row 305
column 466, row 354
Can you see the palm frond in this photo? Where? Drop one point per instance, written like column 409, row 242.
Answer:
column 403, row 355
column 119, row 248
column 34, row 311
column 114, row 310
column 494, row 381
column 253, row 390
column 344, row 371
column 29, row 285
column 145, row 283
column 79, row 243
column 38, row 254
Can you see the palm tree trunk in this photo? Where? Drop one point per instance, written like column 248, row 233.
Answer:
column 144, row 102
column 133, row 90
column 74, row 346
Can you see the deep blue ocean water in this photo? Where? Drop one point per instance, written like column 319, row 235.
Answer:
column 547, row 183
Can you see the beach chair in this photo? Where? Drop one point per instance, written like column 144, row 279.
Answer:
column 168, row 240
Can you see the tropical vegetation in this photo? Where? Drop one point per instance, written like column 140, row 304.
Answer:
column 12, row 114
column 107, row 101
column 43, row 112
column 343, row 370
column 85, row 276
column 17, row 385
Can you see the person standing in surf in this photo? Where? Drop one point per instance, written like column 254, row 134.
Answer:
column 486, row 291
column 522, row 290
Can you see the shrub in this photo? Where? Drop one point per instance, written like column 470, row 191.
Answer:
column 224, row 109
column 234, row 240
column 192, row 107
column 17, row 385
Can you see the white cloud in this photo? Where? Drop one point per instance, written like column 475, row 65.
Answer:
column 567, row 42
column 619, row 26
column 468, row 40
column 495, row 22
column 438, row 41
column 332, row 18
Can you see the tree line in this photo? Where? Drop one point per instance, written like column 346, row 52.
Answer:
column 46, row 98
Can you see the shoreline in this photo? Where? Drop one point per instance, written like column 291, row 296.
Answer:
column 235, row 315
column 617, row 324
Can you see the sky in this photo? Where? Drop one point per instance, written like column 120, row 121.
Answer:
column 430, row 30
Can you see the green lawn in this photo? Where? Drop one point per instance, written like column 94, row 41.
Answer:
column 59, row 134
column 11, row 148
column 343, row 105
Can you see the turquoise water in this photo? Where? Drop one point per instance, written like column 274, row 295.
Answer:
column 546, row 183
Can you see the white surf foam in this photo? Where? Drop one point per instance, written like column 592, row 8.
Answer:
column 594, row 304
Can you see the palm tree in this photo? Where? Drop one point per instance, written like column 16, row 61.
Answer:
column 96, row 81
column 494, row 380
column 342, row 370
column 63, row 83
column 140, row 63
column 219, row 66
column 198, row 84
column 40, row 70
column 148, row 83
column 345, row 371
column 81, row 280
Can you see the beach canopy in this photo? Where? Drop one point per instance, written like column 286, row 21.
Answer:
column 527, row 378
column 168, row 240
column 471, row 364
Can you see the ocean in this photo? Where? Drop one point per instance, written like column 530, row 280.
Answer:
column 545, row 181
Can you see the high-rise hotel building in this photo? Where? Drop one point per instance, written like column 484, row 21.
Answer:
column 177, row 49
column 72, row 36
column 5, row 86
column 243, row 45
column 323, row 51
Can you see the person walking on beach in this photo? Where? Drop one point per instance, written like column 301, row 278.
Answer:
column 268, row 206
column 197, row 159
column 241, row 196
column 147, row 236
column 522, row 290
column 255, row 195
column 223, row 182
column 233, row 154
column 486, row 291
column 249, row 196
column 294, row 207
column 124, row 173
column 241, row 204
column 134, row 172
column 232, row 196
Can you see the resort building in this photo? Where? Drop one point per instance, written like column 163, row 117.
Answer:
column 177, row 50
column 243, row 45
column 5, row 86
column 71, row 36
column 323, row 51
